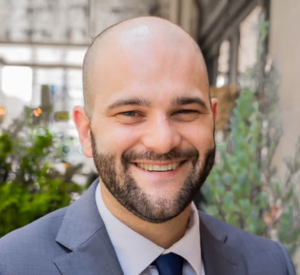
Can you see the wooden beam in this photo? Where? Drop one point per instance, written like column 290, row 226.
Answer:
column 226, row 25
column 40, row 65
column 233, row 58
column 39, row 44
column 212, row 69
column 175, row 11
column 213, row 17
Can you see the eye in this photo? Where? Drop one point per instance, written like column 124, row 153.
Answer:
column 186, row 115
column 187, row 111
column 130, row 117
column 130, row 113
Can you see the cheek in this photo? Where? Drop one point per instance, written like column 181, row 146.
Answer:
column 200, row 136
column 116, row 139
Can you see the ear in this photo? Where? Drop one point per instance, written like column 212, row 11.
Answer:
column 214, row 105
column 82, row 123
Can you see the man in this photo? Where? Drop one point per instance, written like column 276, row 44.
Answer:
column 148, row 122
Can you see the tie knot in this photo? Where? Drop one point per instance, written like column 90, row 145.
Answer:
column 169, row 264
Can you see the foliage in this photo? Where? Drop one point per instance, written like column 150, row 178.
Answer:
column 234, row 193
column 29, row 185
column 244, row 188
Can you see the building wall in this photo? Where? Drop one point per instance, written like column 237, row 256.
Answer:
column 108, row 12
column 285, row 51
column 77, row 21
column 183, row 13
column 69, row 21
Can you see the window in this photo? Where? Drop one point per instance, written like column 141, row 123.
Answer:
column 17, row 82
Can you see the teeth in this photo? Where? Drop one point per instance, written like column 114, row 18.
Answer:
column 161, row 168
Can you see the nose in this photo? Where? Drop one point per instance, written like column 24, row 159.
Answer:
column 161, row 136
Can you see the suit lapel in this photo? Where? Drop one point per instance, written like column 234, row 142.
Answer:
column 95, row 257
column 84, row 234
column 91, row 253
column 219, row 258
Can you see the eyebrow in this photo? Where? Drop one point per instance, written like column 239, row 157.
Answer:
column 130, row 101
column 136, row 101
column 188, row 100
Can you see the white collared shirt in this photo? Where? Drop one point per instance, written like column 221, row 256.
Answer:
column 136, row 253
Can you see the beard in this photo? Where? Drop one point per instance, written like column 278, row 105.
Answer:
column 120, row 183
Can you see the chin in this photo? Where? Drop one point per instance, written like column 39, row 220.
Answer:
column 161, row 189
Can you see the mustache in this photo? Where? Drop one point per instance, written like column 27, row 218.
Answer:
column 174, row 154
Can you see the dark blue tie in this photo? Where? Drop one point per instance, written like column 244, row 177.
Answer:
column 169, row 264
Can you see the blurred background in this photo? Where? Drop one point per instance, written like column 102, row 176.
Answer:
column 251, row 49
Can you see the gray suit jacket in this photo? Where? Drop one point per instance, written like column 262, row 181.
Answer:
column 74, row 241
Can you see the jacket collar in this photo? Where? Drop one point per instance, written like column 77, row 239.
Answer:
column 83, row 232
column 218, row 256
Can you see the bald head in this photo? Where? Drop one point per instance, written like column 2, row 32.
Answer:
column 138, row 42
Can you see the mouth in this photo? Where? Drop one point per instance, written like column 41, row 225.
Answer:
column 159, row 167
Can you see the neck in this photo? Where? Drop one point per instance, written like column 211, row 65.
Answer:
column 162, row 234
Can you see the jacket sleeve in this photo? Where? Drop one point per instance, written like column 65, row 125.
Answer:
column 288, row 261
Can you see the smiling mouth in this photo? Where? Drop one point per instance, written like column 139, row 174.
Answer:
column 159, row 168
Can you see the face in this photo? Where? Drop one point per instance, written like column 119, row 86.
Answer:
column 152, row 130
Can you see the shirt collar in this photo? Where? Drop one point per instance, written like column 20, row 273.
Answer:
column 135, row 252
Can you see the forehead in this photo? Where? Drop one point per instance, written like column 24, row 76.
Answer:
column 153, row 70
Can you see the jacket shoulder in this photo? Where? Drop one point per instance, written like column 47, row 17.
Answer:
column 31, row 244
column 235, row 235
column 256, row 251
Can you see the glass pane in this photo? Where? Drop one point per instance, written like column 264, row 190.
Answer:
column 75, row 57
column 15, row 54
column 17, row 82
column 49, row 55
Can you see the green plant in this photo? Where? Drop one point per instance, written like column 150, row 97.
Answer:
column 233, row 192
column 244, row 188
column 29, row 185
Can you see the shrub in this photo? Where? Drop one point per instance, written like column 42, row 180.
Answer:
column 244, row 189
column 29, row 185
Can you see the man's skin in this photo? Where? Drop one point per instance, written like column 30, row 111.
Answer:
column 156, row 62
